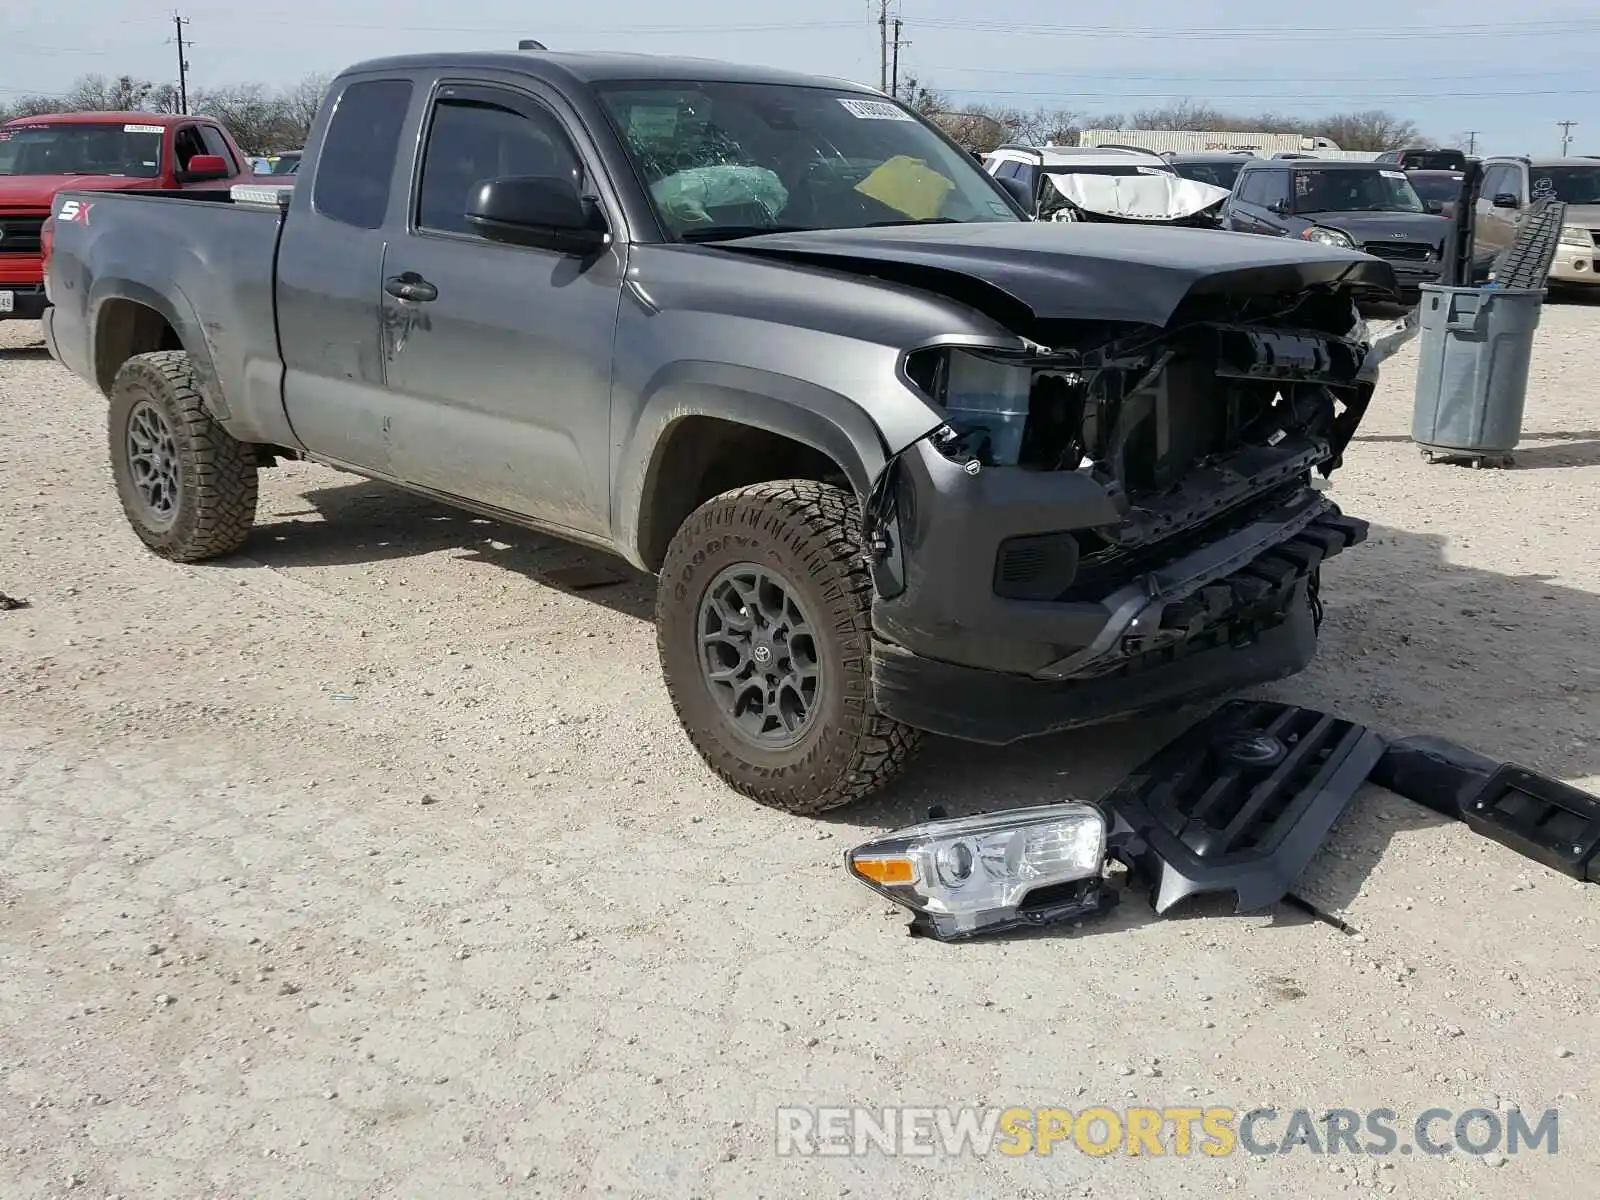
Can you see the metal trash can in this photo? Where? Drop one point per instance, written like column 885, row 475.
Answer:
column 1473, row 355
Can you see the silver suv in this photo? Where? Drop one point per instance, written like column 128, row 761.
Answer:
column 1511, row 184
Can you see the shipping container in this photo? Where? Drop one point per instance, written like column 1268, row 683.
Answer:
column 1190, row 141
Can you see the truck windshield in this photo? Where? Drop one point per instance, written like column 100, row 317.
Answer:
column 1575, row 185
column 1440, row 186
column 81, row 149
column 1345, row 190
column 733, row 159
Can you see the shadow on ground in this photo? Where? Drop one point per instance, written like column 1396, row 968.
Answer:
column 31, row 353
column 1412, row 644
column 369, row 522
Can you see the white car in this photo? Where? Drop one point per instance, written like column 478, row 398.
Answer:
column 1103, row 183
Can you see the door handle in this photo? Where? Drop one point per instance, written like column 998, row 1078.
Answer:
column 410, row 286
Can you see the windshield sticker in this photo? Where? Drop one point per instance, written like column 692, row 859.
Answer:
column 1392, row 174
column 142, row 129
column 1544, row 186
column 999, row 209
column 1152, row 171
column 653, row 121
column 875, row 110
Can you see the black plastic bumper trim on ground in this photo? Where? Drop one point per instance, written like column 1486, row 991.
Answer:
column 1539, row 817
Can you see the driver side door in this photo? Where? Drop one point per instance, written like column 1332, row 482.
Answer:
column 498, row 357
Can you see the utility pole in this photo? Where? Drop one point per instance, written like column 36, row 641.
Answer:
column 1472, row 141
column 178, row 23
column 1566, row 135
column 883, row 45
column 894, row 62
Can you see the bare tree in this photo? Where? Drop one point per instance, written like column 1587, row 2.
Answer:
column 119, row 93
column 1374, row 129
column 301, row 103
column 30, row 106
column 258, row 119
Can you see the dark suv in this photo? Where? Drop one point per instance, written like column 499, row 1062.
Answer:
column 1217, row 167
column 1357, row 205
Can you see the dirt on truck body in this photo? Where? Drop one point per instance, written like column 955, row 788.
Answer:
column 904, row 460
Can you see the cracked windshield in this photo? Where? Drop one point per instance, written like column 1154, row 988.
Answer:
column 727, row 160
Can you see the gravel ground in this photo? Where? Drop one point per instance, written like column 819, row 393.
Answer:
column 372, row 863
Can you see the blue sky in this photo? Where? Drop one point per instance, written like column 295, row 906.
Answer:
column 1508, row 71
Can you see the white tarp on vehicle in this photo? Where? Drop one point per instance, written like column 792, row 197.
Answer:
column 1135, row 197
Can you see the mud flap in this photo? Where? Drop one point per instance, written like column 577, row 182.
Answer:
column 1240, row 802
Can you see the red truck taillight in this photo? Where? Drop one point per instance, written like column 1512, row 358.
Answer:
column 47, row 240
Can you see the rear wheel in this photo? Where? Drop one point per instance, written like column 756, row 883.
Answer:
column 763, row 622
column 187, row 487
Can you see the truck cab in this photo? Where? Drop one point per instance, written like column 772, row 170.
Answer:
column 94, row 151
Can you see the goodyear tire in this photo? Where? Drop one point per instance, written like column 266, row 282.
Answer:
column 763, row 623
column 187, row 487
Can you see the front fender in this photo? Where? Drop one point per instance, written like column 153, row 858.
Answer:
column 806, row 412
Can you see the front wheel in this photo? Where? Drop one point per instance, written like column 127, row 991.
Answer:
column 188, row 488
column 763, row 623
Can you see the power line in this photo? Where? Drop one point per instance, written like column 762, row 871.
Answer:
column 1570, row 28
column 1061, row 93
column 1203, row 80
column 1550, row 28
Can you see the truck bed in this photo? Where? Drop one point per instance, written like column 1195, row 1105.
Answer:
column 183, row 254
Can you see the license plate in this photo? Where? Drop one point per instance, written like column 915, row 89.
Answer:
column 8, row 301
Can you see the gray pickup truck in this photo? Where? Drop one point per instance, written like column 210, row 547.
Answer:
column 902, row 460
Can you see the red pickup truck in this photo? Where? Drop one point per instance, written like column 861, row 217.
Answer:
column 94, row 151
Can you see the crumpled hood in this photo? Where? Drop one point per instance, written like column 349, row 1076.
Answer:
column 37, row 191
column 1137, row 197
column 1076, row 270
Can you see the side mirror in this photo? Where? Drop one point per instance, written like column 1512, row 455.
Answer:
column 1433, row 206
column 1279, row 208
column 1018, row 191
column 203, row 167
column 1506, row 200
column 544, row 211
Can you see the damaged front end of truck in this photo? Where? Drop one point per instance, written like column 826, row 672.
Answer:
column 1116, row 518
column 1121, row 510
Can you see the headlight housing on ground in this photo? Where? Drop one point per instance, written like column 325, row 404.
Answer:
column 1576, row 235
column 966, row 875
column 1329, row 237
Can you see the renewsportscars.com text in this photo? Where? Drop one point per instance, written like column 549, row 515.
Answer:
column 1169, row 1130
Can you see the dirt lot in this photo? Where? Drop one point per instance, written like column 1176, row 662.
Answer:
column 373, row 864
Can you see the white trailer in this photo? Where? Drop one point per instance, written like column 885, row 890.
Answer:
column 1192, row 141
